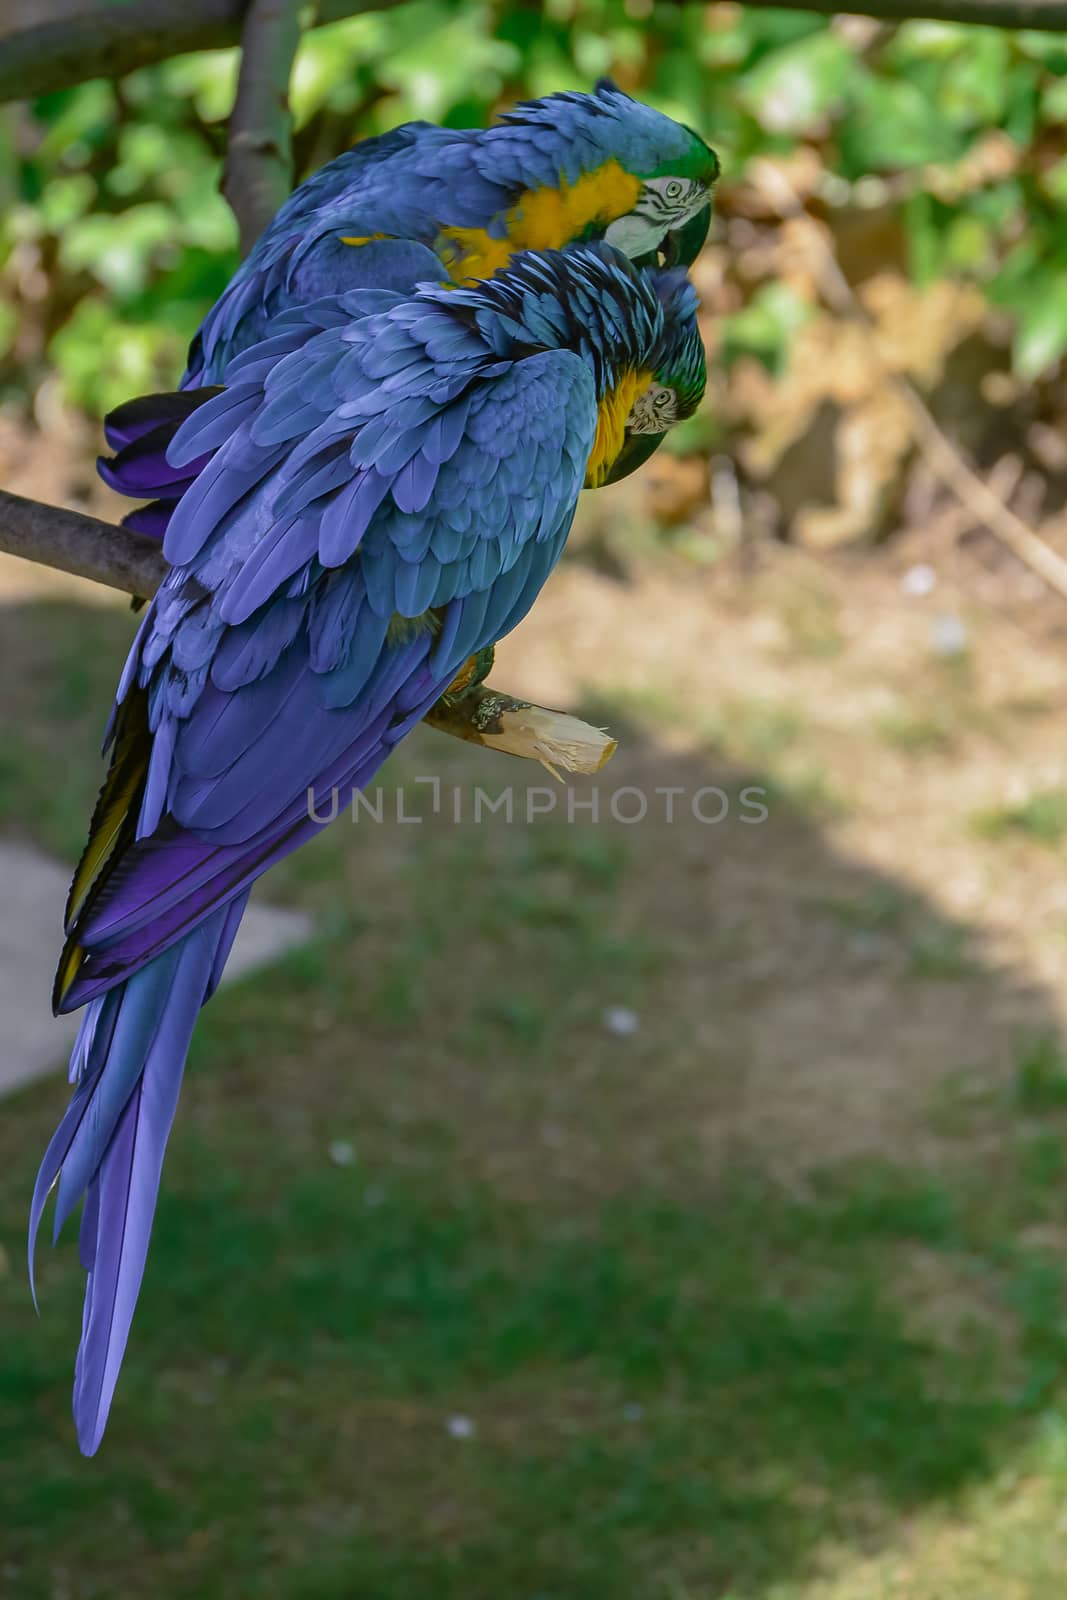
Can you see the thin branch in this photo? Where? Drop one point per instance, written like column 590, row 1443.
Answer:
column 104, row 39
column 120, row 559
column 1048, row 16
column 258, row 171
column 940, row 454
column 85, row 546
column 500, row 722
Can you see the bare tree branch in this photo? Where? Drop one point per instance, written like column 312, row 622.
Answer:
column 482, row 715
column 1048, row 16
column 121, row 559
column 89, row 548
column 258, row 172
column 83, row 39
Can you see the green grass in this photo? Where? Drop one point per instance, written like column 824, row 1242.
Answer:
column 883, row 910
column 809, row 615
column 804, row 788
column 54, row 706
column 656, row 1388
column 754, row 729
column 917, row 733
column 1041, row 1079
column 941, row 950
column 1041, row 818
column 686, row 1378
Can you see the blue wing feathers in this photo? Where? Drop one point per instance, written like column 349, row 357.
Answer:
column 378, row 458
column 332, row 620
column 345, row 521
column 251, row 649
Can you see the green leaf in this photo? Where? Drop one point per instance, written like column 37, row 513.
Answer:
column 1041, row 336
column 103, row 359
column 921, row 40
column 64, row 199
column 76, row 121
column 208, row 78
column 793, row 89
column 975, row 84
column 892, row 125
column 765, row 327
column 1054, row 182
column 118, row 250
column 1054, row 102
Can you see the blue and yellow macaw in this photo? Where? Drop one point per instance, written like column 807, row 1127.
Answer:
column 396, row 210
column 429, row 204
column 377, row 492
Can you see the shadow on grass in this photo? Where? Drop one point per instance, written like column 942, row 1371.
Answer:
column 594, row 1209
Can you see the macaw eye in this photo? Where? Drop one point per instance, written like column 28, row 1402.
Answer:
column 674, row 189
column 655, row 411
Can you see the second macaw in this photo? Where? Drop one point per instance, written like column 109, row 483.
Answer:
column 422, row 203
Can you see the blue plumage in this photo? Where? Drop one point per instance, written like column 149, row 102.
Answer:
column 377, row 458
column 109, row 1147
column 418, row 184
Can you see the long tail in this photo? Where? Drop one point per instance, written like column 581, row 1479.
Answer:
column 127, row 1062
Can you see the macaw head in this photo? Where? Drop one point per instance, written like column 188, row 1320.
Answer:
column 635, row 329
column 677, row 170
column 582, row 168
column 678, row 376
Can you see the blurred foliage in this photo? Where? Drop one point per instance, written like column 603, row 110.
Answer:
column 114, row 239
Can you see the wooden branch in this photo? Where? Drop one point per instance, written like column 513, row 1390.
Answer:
column 85, row 546
column 1049, row 16
column 134, row 564
column 258, row 171
column 500, row 722
column 84, row 39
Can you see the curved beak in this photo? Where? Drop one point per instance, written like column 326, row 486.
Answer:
column 682, row 245
column 679, row 246
column 636, row 449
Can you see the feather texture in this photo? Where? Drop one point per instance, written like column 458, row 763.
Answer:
column 376, row 458
column 422, row 202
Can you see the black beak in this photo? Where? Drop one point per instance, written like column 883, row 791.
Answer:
column 636, row 449
column 682, row 245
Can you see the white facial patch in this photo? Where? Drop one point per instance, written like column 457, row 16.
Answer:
column 664, row 203
column 654, row 411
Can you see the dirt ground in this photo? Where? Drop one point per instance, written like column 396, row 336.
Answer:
column 904, row 709
column 578, row 1017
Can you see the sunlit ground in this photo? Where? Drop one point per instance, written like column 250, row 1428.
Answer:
column 604, row 1209
column 464, row 1286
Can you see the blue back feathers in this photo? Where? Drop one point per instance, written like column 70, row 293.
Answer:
column 582, row 131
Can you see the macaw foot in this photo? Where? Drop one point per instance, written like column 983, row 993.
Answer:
column 474, row 671
column 469, row 709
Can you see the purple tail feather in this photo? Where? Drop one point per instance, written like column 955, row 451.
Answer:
column 140, row 432
column 128, row 1060
column 152, row 520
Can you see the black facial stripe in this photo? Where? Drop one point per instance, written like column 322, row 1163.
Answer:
column 653, row 206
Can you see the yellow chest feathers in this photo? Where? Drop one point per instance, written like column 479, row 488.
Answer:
column 541, row 219
column 611, row 425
